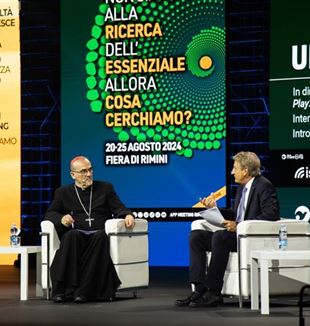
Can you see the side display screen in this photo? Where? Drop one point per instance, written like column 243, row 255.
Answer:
column 290, row 106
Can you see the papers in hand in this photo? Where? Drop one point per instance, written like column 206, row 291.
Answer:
column 213, row 216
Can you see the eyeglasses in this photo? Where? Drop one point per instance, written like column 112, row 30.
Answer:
column 84, row 171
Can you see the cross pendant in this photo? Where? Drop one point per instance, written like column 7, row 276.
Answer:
column 89, row 220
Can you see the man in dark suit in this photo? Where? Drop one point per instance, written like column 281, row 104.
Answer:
column 256, row 199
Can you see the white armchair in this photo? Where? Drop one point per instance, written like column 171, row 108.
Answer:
column 285, row 278
column 128, row 250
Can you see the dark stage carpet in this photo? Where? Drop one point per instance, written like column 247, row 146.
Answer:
column 154, row 306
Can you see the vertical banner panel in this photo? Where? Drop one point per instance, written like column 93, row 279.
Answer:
column 290, row 105
column 10, row 121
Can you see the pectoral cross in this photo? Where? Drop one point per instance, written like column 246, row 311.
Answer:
column 89, row 220
column 90, row 202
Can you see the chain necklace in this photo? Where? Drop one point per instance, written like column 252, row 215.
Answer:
column 90, row 202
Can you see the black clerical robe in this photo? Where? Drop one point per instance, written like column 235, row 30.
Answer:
column 82, row 265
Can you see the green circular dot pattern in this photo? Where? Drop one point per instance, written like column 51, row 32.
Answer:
column 193, row 29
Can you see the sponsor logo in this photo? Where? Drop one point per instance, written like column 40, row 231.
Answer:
column 302, row 213
column 150, row 214
column 302, row 173
column 292, row 156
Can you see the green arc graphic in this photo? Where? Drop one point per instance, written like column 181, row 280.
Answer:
column 192, row 29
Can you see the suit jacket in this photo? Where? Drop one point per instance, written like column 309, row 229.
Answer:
column 262, row 202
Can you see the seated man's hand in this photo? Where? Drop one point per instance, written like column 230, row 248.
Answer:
column 230, row 226
column 209, row 201
column 67, row 220
column 129, row 221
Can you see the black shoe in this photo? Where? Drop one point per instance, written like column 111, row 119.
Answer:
column 209, row 299
column 185, row 302
column 80, row 299
column 59, row 298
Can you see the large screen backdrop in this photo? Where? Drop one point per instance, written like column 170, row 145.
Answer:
column 143, row 96
column 290, row 105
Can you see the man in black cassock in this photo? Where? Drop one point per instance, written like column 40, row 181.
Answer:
column 82, row 268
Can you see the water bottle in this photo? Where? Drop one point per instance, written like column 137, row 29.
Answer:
column 283, row 237
column 14, row 238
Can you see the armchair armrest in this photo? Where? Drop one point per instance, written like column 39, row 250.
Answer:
column 117, row 226
column 256, row 227
column 129, row 252
column 48, row 228
column 127, row 245
column 263, row 235
column 49, row 244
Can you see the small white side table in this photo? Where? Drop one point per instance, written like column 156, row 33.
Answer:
column 261, row 258
column 24, row 251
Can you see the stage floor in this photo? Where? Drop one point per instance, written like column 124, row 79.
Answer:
column 154, row 306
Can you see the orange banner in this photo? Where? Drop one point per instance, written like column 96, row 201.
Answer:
column 10, row 122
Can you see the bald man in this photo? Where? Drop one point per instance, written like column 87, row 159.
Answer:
column 82, row 269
